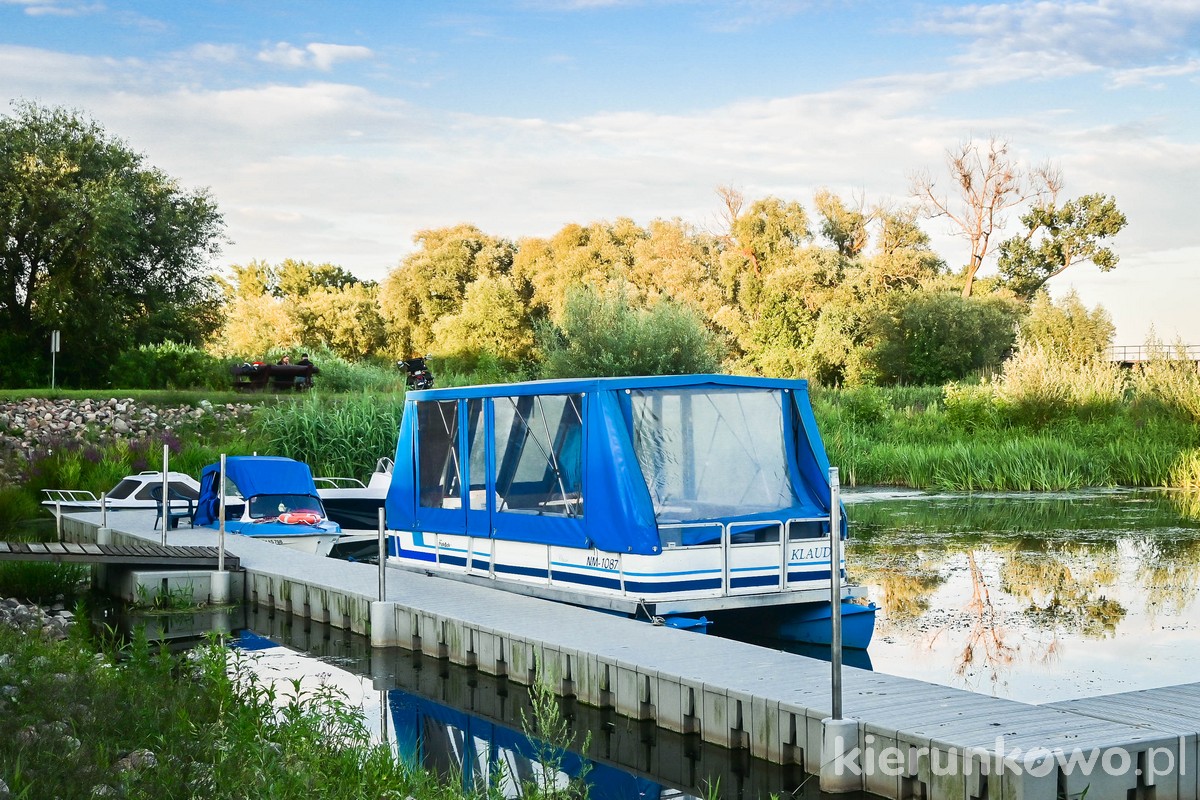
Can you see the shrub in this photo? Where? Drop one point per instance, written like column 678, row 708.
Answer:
column 169, row 366
column 933, row 338
column 1173, row 382
column 605, row 336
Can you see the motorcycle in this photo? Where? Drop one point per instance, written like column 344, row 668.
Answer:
column 419, row 376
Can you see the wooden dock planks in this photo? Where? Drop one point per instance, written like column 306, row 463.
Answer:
column 140, row 555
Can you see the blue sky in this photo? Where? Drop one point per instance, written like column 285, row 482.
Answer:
column 333, row 131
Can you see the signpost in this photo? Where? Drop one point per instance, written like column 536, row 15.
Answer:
column 55, row 344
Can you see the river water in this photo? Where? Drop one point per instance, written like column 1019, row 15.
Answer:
column 1037, row 598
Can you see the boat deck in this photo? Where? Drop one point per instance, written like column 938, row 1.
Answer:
column 915, row 739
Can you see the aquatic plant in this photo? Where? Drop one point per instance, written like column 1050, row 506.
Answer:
column 551, row 735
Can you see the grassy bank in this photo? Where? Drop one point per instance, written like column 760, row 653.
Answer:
column 1041, row 426
column 85, row 719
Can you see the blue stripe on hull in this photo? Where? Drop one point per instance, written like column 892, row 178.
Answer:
column 562, row 576
column 652, row 589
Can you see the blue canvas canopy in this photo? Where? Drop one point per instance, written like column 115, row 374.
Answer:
column 607, row 462
column 253, row 476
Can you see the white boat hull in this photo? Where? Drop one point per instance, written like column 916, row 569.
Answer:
column 681, row 579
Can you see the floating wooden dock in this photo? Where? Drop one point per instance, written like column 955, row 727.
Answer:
column 141, row 554
column 909, row 738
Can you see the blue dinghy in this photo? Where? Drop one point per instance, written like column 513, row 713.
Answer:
column 268, row 498
column 701, row 497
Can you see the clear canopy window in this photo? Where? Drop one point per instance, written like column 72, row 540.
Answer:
column 438, row 469
column 539, row 454
column 711, row 453
column 269, row 506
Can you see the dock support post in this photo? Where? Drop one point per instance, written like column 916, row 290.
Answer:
column 218, row 593
column 383, row 625
column 841, row 767
column 841, row 757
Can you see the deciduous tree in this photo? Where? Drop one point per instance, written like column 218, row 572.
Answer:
column 1067, row 329
column 98, row 244
column 1056, row 237
column 431, row 282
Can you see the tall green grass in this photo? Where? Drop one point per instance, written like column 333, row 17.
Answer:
column 342, row 435
column 1041, row 425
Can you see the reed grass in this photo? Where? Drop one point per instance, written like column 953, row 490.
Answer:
column 340, row 436
column 1185, row 471
column 1041, row 425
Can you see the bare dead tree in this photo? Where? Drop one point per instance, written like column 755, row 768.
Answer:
column 732, row 201
column 987, row 182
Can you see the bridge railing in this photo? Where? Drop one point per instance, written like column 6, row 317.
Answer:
column 1141, row 352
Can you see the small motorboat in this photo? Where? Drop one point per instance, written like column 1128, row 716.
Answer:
column 269, row 498
column 355, row 506
column 132, row 492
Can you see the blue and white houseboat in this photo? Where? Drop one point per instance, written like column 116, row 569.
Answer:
column 269, row 498
column 693, row 500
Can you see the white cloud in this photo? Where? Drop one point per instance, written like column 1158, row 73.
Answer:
column 58, row 8
column 316, row 54
column 1099, row 33
column 1152, row 76
column 324, row 56
column 218, row 53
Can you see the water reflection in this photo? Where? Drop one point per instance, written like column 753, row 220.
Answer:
column 469, row 725
column 1035, row 597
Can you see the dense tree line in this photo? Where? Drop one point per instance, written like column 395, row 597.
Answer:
column 116, row 255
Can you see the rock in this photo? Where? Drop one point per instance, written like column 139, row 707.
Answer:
column 137, row 760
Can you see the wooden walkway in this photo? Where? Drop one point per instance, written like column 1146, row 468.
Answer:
column 143, row 554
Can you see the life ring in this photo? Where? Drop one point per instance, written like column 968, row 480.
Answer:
column 300, row 517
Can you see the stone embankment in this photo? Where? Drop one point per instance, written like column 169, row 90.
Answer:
column 53, row 622
column 36, row 425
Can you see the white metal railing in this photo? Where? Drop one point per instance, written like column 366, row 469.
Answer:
column 1138, row 353
column 781, row 540
column 338, row 483
column 66, row 496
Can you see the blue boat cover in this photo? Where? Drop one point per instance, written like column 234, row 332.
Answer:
column 252, row 475
column 618, row 510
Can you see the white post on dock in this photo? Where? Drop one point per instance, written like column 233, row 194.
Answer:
column 58, row 526
column 839, row 737
column 166, row 496
column 104, row 509
column 835, row 588
column 382, row 558
column 383, row 613
column 218, row 592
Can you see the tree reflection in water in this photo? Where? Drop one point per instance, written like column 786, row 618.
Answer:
column 992, row 581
